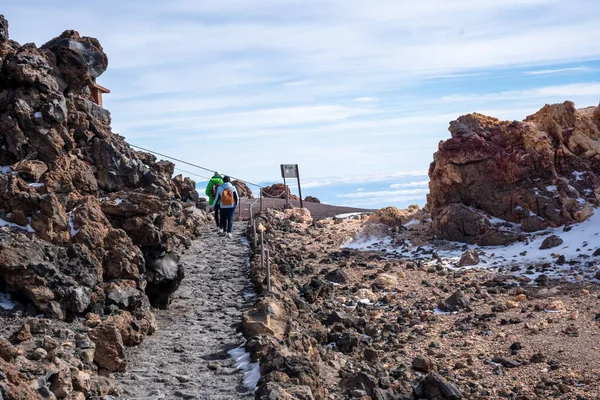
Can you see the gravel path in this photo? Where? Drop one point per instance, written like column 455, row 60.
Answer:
column 187, row 357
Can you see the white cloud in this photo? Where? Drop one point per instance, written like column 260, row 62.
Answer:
column 409, row 184
column 557, row 71
column 342, row 87
column 416, row 193
column 356, row 179
column 547, row 92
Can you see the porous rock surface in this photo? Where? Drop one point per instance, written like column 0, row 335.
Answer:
column 90, row 226
column 278, row 191
column 540, row 172
column 242, row 189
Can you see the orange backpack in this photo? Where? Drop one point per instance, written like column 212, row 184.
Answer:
column 227, row 198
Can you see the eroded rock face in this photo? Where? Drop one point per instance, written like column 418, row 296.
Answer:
column 242, row 189
column 395, row 217
column 277, row 191
column 544, row 171
column 73, row 182
column 95, row 227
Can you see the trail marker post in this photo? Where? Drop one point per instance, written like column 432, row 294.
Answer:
column 262, row 250
column 261, row 199
column 268, row 259
column 291, row 171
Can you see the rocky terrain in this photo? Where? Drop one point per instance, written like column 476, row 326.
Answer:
column 92, row 230
column 539, row 173
column 346, row 321
column 387, row 304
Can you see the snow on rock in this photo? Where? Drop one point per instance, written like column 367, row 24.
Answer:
column 242, row 362
column 6, row 302
column 580, row 243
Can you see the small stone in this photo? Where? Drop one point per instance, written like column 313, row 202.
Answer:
column 521, row 298
column 512, row 304
column 423, row 364
column 573, row 315
column 550, row 242
column 556, row 305
column 38, row 354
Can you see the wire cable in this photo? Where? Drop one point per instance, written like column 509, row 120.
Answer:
column 193, row 165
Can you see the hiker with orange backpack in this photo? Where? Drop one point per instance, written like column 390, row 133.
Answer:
column 211, row 192
column 227, row 196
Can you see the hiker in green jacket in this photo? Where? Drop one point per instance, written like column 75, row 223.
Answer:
column 211, row 191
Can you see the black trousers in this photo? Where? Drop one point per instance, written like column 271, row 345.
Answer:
column 227, row 219
column 217, row 215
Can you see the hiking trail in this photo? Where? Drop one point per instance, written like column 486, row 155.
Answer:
column 187, row 357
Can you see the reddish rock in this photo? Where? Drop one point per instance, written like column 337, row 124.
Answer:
column 547, row 166
column 312, row 199
column 395, row 217
column 110, row 352
column 242, row 189
column 277, row 191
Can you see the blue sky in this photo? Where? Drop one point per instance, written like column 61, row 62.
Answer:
column 344, row 88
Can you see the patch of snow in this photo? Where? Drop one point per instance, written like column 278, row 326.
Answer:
column 27, row 227
column 6, row 301
column 5, row 169
column 519, row 254
column 551, row 188
column 412, row 222
column 36, row 185
column 349, row 215
column 118, row 201
column 438, row 311
column 72, row 229
column 242, row 362
column 38, row 114
column 365, row 301
column 578, row 175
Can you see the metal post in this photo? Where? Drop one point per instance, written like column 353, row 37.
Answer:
column 261, row 200
column 286, row 193
column 254, row 235
column 299, row 190
column 251, row 220
column 239, row 209
column 268, row 271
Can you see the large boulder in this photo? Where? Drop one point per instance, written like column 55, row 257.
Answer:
column 278, row 191
column 242, row 189
column 80, row 60
column 395, row 217
column 267, row 316
column 544, row 171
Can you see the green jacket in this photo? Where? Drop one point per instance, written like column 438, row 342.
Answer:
column 215, row 180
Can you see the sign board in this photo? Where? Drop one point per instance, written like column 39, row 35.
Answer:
column 289, row 170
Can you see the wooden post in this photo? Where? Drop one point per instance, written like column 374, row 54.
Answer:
column 262, row 251
column 299, row 190
column 268, row 271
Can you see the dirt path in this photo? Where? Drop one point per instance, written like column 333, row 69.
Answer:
column 187, row 358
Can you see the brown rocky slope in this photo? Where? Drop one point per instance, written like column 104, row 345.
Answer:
column 541, row 172
column 90, row 225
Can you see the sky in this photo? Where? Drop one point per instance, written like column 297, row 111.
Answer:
column 349, row 90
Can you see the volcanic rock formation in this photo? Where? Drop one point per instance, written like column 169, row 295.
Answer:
column 542, row 172
column 84, row 208
column 242, row 189
column 277, row 191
